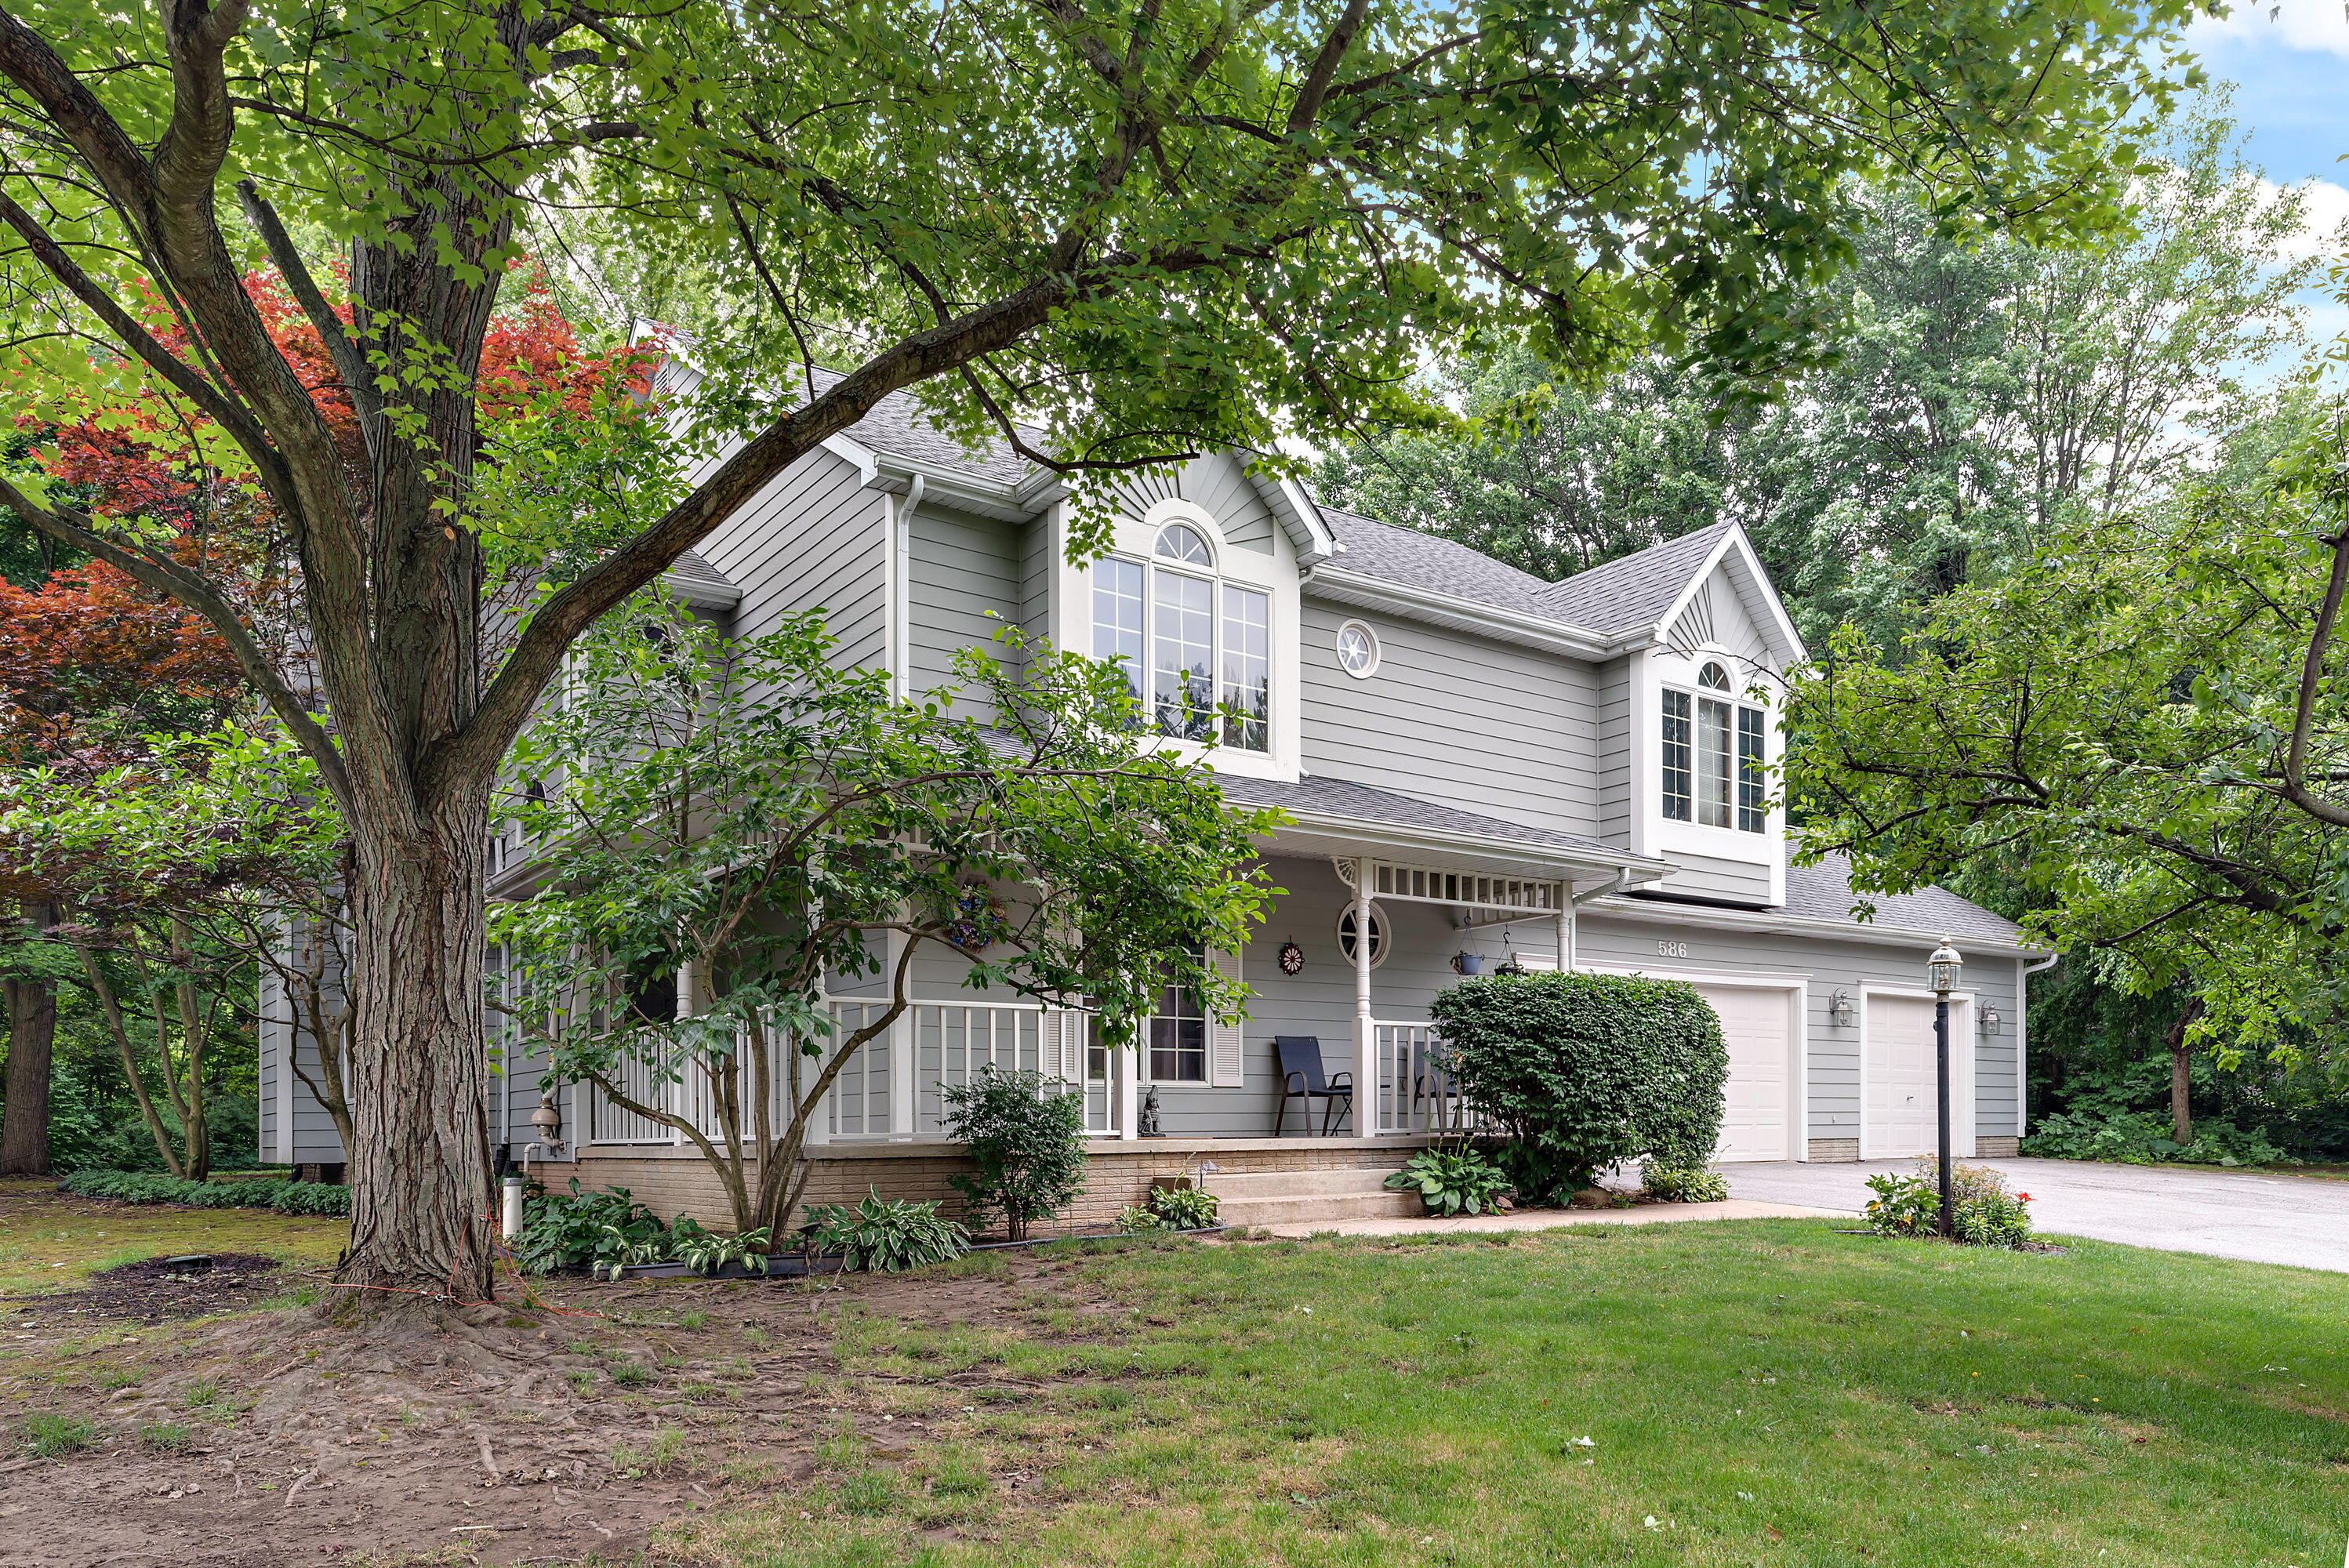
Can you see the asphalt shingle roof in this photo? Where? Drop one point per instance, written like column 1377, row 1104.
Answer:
column 898, row 426
column 1622, row 595
column 1632, row 591
column 1823, row 891
column 694, row 565
column 1362, row 802
column 1417, row 560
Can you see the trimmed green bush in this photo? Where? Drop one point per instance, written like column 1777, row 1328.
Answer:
column 145, row 1187
column 1027, row 1138
column 1579, row 1072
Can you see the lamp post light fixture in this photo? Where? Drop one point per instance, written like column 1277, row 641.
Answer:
column 1943, row 968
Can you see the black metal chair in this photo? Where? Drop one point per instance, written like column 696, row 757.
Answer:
column 1298, row 1056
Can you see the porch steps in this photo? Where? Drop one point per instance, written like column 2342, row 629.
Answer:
column 1302, row 1197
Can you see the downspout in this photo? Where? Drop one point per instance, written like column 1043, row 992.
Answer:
column 901, row 592
column 2024, row 971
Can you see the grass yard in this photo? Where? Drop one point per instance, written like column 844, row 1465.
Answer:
column 51, row 1240
column 1754, row 1392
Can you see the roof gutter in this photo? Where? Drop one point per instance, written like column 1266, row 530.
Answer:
column 1801, row 926
column 1451, row 611
column 1355, row 833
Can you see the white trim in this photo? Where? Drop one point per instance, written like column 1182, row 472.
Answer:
column 1618, row 907
column 1369, row 634
column 1775, row 614
column 1453, row 612
column 1965, row 1118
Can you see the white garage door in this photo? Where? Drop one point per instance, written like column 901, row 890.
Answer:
column 1753, row 1123
column 1902, row 1118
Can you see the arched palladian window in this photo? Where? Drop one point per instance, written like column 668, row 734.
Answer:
column 1714, row 756
column 1204, row 646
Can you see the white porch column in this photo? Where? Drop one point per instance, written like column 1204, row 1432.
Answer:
column 1366, row 1030
column 1129, row 1087
column 902, row 1062
column 1564, row 926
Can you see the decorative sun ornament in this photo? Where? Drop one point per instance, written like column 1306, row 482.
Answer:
column 1292, row 958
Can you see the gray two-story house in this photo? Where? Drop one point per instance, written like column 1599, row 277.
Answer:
column 1478, row 766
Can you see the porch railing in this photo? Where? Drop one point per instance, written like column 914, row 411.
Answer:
column 894, row 1086
column 1415, row 1094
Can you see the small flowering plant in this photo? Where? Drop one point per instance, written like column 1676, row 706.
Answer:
column 1985, row 1213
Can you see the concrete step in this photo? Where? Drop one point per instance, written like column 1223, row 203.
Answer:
column 1331, row 1181
column 1323, row 1206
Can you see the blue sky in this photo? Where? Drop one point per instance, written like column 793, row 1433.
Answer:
column 2291, row 62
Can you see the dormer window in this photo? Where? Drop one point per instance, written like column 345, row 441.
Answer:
column 1713, row 755
column 1206, row 644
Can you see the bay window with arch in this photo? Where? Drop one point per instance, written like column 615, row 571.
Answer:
column 1715, row 756
column 1196, row 649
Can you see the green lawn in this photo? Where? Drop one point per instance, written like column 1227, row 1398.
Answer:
column 51, row 1240
column 1755, row 1392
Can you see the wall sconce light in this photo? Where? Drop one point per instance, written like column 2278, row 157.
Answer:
column 1989, row 1021
column 1840, row 1012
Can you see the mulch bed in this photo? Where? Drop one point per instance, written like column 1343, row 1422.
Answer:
column 156, row 1290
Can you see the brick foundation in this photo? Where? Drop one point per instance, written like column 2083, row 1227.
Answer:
column 1996, row 1147
column 678, row 1183
column 1835, row 1150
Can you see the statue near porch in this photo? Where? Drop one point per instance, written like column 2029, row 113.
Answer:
column 1149, row 1124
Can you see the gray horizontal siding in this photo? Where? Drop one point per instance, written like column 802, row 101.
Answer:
column 813, row 539
column 1612, row 732
column 1473, row 724
column 966, row 583
column 1705, row 876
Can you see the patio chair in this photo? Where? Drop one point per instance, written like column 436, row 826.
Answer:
column 1298, row 1056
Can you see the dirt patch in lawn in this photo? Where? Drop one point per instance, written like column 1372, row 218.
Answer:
column 158, row 1290
column 557, row 1428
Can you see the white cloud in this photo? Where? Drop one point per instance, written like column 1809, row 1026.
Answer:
column 2323, row 209
column 2295, row 24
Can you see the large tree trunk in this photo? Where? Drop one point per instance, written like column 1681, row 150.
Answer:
column 419, row 1162
column 2181, row 1076
column 32, row 1039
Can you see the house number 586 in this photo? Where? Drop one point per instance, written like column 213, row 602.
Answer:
column 1671, row 950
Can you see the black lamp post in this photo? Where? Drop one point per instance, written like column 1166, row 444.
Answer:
column 1943, row 968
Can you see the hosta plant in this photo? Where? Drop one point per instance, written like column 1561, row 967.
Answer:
column 1683, row 1184
column 1456, row 1181
column 1182, row 1208
column 708, row 1252
column 883, row 1235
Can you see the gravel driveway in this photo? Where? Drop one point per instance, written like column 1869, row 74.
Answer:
column 2259, row 1217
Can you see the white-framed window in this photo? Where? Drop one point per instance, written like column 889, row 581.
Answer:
column 1714, row 756
column 1358, row 650
column 1202, row 645
column 1178, row 1037
column 1347, row 938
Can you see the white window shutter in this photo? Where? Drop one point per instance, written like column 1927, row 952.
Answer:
column 1064, row 1045
column 1225, row 1068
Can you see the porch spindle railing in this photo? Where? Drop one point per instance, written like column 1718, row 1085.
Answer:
column 1415, row 1096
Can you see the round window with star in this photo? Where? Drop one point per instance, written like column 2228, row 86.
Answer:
column 1358, row 650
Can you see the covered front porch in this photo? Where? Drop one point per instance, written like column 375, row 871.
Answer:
column 1372, row 922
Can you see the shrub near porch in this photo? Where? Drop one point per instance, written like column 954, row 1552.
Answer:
column 1752, row 1392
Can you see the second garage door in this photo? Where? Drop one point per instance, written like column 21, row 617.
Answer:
column 1755, row 1123
column 1900, row 1098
